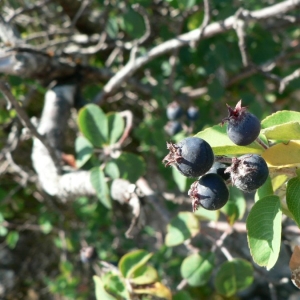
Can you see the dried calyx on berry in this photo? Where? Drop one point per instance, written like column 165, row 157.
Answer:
column 210, row 192
column 243, row 127
column 248, row 172
column 192, row 156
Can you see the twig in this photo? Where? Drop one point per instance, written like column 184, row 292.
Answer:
column 185, row 39
column 22, row 10
column 80, row 11
column 128, row 116
column 261, row 143
column 26, row 121
column 286, row 80
column 239, row 27
column 206, row 18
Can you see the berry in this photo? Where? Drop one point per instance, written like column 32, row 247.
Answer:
column 193, row 113
column 219, row 168
column 248, row 172
column 174, row 111
column 243, row 127
column 173, row 127
column 210, row 191
column 192, row 156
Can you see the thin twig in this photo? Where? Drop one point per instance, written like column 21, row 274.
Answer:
column 4, row 87
column 286, row 80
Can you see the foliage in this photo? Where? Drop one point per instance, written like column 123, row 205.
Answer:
column 173, row 253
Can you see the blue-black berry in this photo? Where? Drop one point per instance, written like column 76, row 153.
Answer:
column 219, row 168
column 248, row 172
column 192, row 156
column 210, row 192
column 243, row 127
column 174, row 111
column 173, row 127
column 192, row 113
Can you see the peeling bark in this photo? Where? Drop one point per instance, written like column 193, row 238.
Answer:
column 58, row 103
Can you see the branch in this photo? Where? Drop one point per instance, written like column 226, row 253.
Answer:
column 58, row 102
column 185, row 39
column 286, row 80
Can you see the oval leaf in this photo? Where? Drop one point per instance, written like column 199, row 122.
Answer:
column 131, row 166
column 181, row 228
column 264, row 231
column 131, row 261
column 277, row 155
column 93, row 124
column 115, row 284
column 99, row 183
column 292, row 198
column 235, row 208
column 101, row 293
column 204, row 214
column 265, row 190
column 217, row 137
column 84, row 150
column 285, row 132
column 197, row 269
column 280, row 117
column 233, row 276
column 144, row 275
column 115, row 127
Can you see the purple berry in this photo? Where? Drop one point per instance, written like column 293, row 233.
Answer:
column 192, row 156
column 210, row 191
column 174, row 111
column 192, row 113
column 248, row 172
column 243, row 127
column 219, row 168
column 173, row 127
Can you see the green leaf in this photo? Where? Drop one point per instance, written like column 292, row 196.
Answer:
column 84, row 150
column 115, row 127
column 277, row 155
column 131, row 166
column 292, row 198
column 132, row 261
column 233, row 276
column 101, row 293
column 93, row 124
column 197, row 269
column 99, row 183
column 265, row 190
column 133, row 24
column 112, row 170
column 284, row 132
column 204, row 214
column 182, row 295
column 3, row 231
column 12, row 239
column 144, row 275
column 115, row 284
column 217, row 137
column 280, row 117
column 181, row 228
column 179, row 179
column 112, row 27
column 264, row 231
column 235, row 208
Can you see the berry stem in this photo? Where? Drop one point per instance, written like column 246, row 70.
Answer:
column 261, row 143
column 223, row 159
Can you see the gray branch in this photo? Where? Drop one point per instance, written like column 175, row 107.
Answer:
column 185, row 39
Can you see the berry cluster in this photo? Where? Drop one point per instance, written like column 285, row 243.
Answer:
column 193, row 157
column 175, row 113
